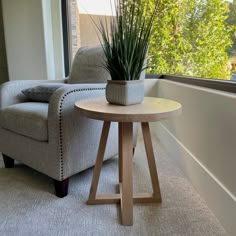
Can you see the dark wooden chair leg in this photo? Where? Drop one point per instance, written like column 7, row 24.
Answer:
column 61, row 187
column 9, row 162
column 133, row 150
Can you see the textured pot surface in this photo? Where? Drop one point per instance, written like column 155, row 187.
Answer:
column 125, row 93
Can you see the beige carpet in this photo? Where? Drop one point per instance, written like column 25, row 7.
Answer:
column 29, row 207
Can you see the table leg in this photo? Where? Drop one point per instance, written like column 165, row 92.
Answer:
column 126, row 159
column 120, row 152
column 151, row 162
column 126, row 197
column 98, row 165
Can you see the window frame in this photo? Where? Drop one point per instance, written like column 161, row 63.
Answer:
column 217, row 84
column 65, row 30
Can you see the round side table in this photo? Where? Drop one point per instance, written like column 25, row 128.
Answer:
column 150, row 110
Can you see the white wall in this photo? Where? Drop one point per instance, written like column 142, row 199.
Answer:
column 27, row 25
column 203, row 141
column 88, row 31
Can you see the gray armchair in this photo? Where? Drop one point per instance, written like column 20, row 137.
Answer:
column 52, row 137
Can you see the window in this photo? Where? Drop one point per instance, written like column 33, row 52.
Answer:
column 191, row 37
column 82, row 18
column 194, row 38
column 232, row 50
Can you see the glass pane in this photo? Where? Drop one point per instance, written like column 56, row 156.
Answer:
column 194, row 38
column 232, row 50
column 84, row 15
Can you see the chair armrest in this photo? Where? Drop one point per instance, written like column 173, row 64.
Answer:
column 10, row 92
column 62, row 104
column 72, row 136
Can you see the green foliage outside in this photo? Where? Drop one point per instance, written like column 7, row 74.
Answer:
column 232, row 22
column 191, row 37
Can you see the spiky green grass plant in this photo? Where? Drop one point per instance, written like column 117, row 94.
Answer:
column 125, row 39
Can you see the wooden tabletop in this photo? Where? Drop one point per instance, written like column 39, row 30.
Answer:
column 151, row 109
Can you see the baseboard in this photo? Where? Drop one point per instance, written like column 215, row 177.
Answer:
column 218, row 198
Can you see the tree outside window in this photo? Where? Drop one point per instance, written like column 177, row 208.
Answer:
column 194, row 38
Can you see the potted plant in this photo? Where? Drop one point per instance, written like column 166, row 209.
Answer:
column 125, row 42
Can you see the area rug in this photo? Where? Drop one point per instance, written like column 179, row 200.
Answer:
column 28, row 205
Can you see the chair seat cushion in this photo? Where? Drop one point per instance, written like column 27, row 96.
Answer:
column 29, row 119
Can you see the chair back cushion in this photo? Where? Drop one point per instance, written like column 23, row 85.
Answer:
column 87, row 66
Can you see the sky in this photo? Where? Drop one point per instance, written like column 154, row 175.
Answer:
column 96, row 7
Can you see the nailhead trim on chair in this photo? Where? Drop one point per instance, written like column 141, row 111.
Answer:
column 60, row 123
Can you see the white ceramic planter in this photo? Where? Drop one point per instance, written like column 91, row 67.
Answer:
column 125, row 93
